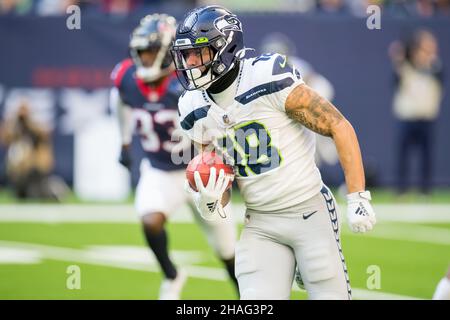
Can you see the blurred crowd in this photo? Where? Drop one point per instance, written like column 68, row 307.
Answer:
column 59, row 7
column 416, row 64
column 395, row 8
column 417, row 100
column 29, row 156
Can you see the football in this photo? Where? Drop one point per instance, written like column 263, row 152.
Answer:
column 203, row 163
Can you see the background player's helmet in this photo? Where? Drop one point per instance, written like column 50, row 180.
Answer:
column 156, row 32
column 212, row 27
column 277, row 42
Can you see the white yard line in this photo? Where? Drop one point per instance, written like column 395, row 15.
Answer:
column 201, row 272
column 408, row 232
column 391, row 218
column 364, row 294
column 413, row 213
column 124, row 213
column 68, row 213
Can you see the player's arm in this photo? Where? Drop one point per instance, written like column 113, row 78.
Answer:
column 125, row 120
column 397, row 53
column 316, row 113
column 124, row 115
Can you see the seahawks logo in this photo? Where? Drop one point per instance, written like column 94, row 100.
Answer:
column 227, row 22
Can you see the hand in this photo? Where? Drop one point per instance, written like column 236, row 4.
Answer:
column 208, row 199
column 125, row 157
column 360, row 214
column 396, row 52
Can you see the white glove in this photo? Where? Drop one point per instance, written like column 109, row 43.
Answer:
column 360, row 214
column 208, row 199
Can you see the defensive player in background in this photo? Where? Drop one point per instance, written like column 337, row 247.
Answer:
column 259, row 113
column 442, row 291
column 145, row 95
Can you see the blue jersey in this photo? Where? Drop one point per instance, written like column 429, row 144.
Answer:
column 154, row 110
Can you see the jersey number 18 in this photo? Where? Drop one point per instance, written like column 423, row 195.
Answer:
column 250, row 145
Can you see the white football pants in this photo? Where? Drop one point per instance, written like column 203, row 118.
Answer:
column 272, row 244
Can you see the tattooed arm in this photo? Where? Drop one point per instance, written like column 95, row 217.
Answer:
column 316, row 113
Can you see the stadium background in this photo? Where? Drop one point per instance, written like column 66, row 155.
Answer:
column 65, row 75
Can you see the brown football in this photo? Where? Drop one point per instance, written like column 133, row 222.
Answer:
column 203, row 163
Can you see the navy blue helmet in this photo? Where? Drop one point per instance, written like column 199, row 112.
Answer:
column 208, row 42
column 155, row 33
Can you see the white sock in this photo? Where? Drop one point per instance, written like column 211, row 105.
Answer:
column 442, row 290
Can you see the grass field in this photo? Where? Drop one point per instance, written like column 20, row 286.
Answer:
column 38, row 242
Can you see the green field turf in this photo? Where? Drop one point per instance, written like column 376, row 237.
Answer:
column 411, row 257
column 379, row 195
column 409, row 268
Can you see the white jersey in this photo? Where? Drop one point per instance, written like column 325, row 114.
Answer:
column 272, row 154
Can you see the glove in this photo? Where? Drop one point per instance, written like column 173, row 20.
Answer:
column 360, row 214
column 125, row 157
column 208, row 199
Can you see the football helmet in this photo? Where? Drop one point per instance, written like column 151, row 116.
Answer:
column 214, row 35
column 155, row 32
column 277, row 42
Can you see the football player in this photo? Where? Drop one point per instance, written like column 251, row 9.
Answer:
column 261, row 115
column 442, row 291
column 146, row 94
